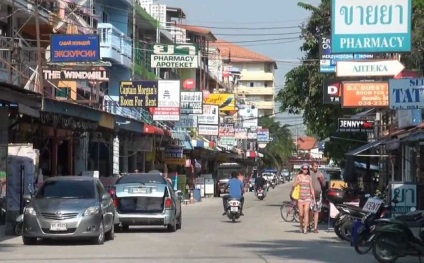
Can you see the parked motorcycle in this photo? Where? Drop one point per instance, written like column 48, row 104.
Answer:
column 260, row 194
column 399, row 237
column 348, row 214
column 233, row 209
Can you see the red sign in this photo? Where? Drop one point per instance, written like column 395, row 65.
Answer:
column 165, row 113
column 189, row 84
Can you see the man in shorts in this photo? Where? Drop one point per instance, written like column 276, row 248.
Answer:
column 318, row 182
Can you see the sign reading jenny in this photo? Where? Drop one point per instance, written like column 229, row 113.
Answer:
column 138, row 94
column 174, row 56
column 74, row 48
column 406, row 94
column 191, row 102
column 365, row 26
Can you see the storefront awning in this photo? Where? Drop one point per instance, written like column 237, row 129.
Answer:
column 363, row 148
column 417, row 136
column 151, row 129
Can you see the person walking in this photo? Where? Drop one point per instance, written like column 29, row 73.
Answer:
column 318, row 182
column 306, row 196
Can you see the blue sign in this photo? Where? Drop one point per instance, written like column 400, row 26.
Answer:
column 365, row 26
column 74, row 48
column 406, row 94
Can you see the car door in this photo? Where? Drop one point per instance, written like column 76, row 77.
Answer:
column 107, row 206
column 175, row 198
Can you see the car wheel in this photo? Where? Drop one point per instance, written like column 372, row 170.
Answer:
column 180, row 221
column 125, row 227
column 29, row 240
column 100, row 239
column 173, row 226
column 110, row 235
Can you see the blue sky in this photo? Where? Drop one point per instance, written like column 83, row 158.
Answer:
column 271, row 16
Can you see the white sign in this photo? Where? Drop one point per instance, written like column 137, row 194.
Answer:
column 368, row 68
column 191, row 102
column 186, row 121
column 372, row 205
column 248, row 116
column 406, row 94
column 168, row 101
column 371, row 26
column 210, row 115
column 174, row 56
column 211, row 130
column 95, row 75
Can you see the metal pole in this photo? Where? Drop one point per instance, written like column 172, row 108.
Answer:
column 157, row 41
column 133, row 39
column 40, row 82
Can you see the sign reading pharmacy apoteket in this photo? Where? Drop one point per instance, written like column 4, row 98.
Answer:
column 368, row 68
column 371, row 26
column 174, row 56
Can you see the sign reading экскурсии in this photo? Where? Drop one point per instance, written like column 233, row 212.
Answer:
column 174, row 56
column 371, row 26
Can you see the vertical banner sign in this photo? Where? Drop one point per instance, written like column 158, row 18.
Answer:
column 364, row 26
column 74, row 48
column 138, row 94
column 168, row 101
column 406, row 94
column 191, row 102
column 174, row 56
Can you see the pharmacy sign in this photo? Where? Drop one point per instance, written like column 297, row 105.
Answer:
column 174, row 56
column 371, row 26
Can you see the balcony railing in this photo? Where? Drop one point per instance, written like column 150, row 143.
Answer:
column 254, row 91
column 115, row 45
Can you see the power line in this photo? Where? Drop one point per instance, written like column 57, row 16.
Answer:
column 259, row 34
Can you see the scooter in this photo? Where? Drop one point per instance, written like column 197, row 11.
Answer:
column 348, row 214
column 233, row 209
column 260, row 194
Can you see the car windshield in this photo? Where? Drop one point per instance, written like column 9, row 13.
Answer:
column 334, row 174
column 142, row 178
column 80, row 189
column 225, row 173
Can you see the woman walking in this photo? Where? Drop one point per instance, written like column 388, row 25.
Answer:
column 306, row 196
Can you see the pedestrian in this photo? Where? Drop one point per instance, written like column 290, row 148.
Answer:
column 306, row 196
column 318, row 182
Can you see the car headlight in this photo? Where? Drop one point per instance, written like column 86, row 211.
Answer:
column 30, row 211
column 94, row 210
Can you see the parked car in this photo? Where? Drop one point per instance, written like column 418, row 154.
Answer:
column 69, row 207
column 143, row 199
column 286, row 174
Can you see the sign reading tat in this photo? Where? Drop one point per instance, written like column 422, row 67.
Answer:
column 376, row 26
column 138, row 94
column 365, row 94
column 174, row 56
column 406, row 94
column 74, row 48
column 352, row 125
column 96, row 75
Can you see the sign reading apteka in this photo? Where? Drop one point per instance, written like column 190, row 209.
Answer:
column 138, row 94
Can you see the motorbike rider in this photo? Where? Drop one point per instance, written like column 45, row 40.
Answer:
column 236, row 190
column 260, row 182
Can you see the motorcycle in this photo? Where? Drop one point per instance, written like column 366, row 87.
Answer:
column 260, row 194
column 233, row 209
column 395, row 237
column 273, row 182
column 348, row 214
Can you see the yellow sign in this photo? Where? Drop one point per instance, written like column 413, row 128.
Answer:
column 339, row 184
column 175, row 161
column 225, row 102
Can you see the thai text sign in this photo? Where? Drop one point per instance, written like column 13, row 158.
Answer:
column 74, row 48
column 211, row 130
column 174, row 56
column 226, row 130
column 138, row 94
column 210, row 115
column 165, row 114
column 191, row 102
column 364, row 26
column 406, row 94
column 406, row 196
column 186, row 121
column 365, row 94
column 95, row 75
column 225, row 102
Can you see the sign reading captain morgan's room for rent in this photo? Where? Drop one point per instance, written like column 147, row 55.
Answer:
column 174, row 56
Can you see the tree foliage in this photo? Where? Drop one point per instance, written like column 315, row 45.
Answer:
column 277, row 152
column 303, row 91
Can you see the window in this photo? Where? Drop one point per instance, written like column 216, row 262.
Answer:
column 81, row 189
column 142, row 178
column 251, row 84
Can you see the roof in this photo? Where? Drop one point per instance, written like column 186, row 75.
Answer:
column 71, row 178
column 306, row 143
column 199, row 31
column 240, row 54
column 175, row 12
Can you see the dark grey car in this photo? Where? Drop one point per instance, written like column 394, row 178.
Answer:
column 69, row 207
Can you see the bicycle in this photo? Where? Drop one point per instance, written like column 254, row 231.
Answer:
column 289, row 211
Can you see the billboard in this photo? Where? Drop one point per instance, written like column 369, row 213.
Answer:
column 94, row 75
column 74, row 48
column 355, row 125
column 406, row 94
column 365, row 94
column 225, row 101
column 174, row 56
column 143, row 93
column 168, row 101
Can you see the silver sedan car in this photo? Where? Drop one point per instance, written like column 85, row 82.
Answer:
column 69, row 207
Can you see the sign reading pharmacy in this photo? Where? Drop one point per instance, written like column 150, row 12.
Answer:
column 174, row 56
column 371, row 26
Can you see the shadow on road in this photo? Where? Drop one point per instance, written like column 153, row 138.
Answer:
column 274, row 205
column 307, row 250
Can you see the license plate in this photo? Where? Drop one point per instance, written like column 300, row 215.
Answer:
column 139, row 190
column 58, row 227
column 259, row 194
column 234, row 209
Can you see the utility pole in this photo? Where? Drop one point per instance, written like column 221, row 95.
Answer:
column 40, row 81
column 157, row 42
column 133, row 40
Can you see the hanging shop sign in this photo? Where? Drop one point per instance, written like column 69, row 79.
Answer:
column 226, row 130
column 365, row 94
column 142, row 93
column 95, row 75
column 186, row 121
column 74, row 48
column 225, row 101
column 189, row 84
column 354, row 125
column 191, row 102
column 64, row 122
column 174, row 56
column 211, row 130
column 168, row 101
column 240, row 133
column 262, row 135
column 391, row 67
column 210, row 115
column 248, row 116
column 406, row 196
column 174, row 156
column 406, row 94
column 376, row 26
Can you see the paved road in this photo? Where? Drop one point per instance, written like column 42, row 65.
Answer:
column 260, row 236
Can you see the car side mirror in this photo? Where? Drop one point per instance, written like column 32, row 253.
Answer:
column 106, row 196
column 179, row 194
column 26, row 198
